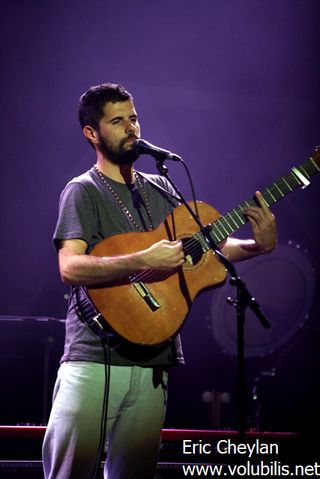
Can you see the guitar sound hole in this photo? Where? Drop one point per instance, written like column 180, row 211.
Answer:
column 193, row 250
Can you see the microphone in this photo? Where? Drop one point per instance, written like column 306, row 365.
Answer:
column 143, row 146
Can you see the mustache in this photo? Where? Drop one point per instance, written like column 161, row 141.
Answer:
column 128, row 137
column 132, row 137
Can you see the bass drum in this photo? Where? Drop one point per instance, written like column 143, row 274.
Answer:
column 283, row 283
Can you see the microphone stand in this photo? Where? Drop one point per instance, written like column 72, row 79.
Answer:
column 242, row 301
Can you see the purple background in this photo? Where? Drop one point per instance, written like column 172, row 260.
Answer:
column 231, row 86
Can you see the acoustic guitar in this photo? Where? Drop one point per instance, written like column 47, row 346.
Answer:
column 150, row 307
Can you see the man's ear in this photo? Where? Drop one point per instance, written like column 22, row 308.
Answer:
column 91, row 134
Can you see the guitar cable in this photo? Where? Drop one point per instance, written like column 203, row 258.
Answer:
column 191, row 186
column 104, row 414
column 94, row 325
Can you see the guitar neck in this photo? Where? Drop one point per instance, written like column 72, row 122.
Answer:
column 298, row 176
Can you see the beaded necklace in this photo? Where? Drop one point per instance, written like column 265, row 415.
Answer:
column 122, row 205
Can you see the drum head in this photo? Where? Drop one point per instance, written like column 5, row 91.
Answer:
column 283, row 284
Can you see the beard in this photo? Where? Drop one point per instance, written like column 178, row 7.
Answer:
column 118, row 155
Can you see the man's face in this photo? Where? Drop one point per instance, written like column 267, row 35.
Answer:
column 118, row 129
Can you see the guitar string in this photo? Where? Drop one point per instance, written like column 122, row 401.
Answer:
column 150, row 275
column 272, row 190
column 155, row 274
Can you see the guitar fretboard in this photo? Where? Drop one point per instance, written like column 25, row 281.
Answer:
column 234, row 219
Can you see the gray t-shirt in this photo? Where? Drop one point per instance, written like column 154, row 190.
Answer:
column 89, row 211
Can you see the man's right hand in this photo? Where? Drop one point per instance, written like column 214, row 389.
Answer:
column 165, row 255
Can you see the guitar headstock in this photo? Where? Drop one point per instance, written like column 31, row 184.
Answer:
column 316, row 156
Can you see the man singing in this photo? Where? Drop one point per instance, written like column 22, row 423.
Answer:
column 110, row 394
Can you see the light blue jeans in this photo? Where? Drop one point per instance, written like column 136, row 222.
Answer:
column 136, row 410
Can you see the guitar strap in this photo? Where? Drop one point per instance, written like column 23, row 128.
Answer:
column 87, row 312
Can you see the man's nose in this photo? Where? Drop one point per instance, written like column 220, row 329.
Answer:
column 130, row 127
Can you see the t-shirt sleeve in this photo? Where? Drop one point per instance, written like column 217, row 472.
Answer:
column 77, row 215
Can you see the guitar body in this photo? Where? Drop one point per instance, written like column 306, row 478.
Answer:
column 151, row 307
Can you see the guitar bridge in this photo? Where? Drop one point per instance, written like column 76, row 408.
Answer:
column 146, row 294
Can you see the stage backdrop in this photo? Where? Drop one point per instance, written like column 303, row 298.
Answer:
column 232, row 87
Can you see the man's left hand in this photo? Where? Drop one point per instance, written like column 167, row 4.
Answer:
column 263, row 225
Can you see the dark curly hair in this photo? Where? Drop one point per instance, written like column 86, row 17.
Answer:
column 91, row 103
